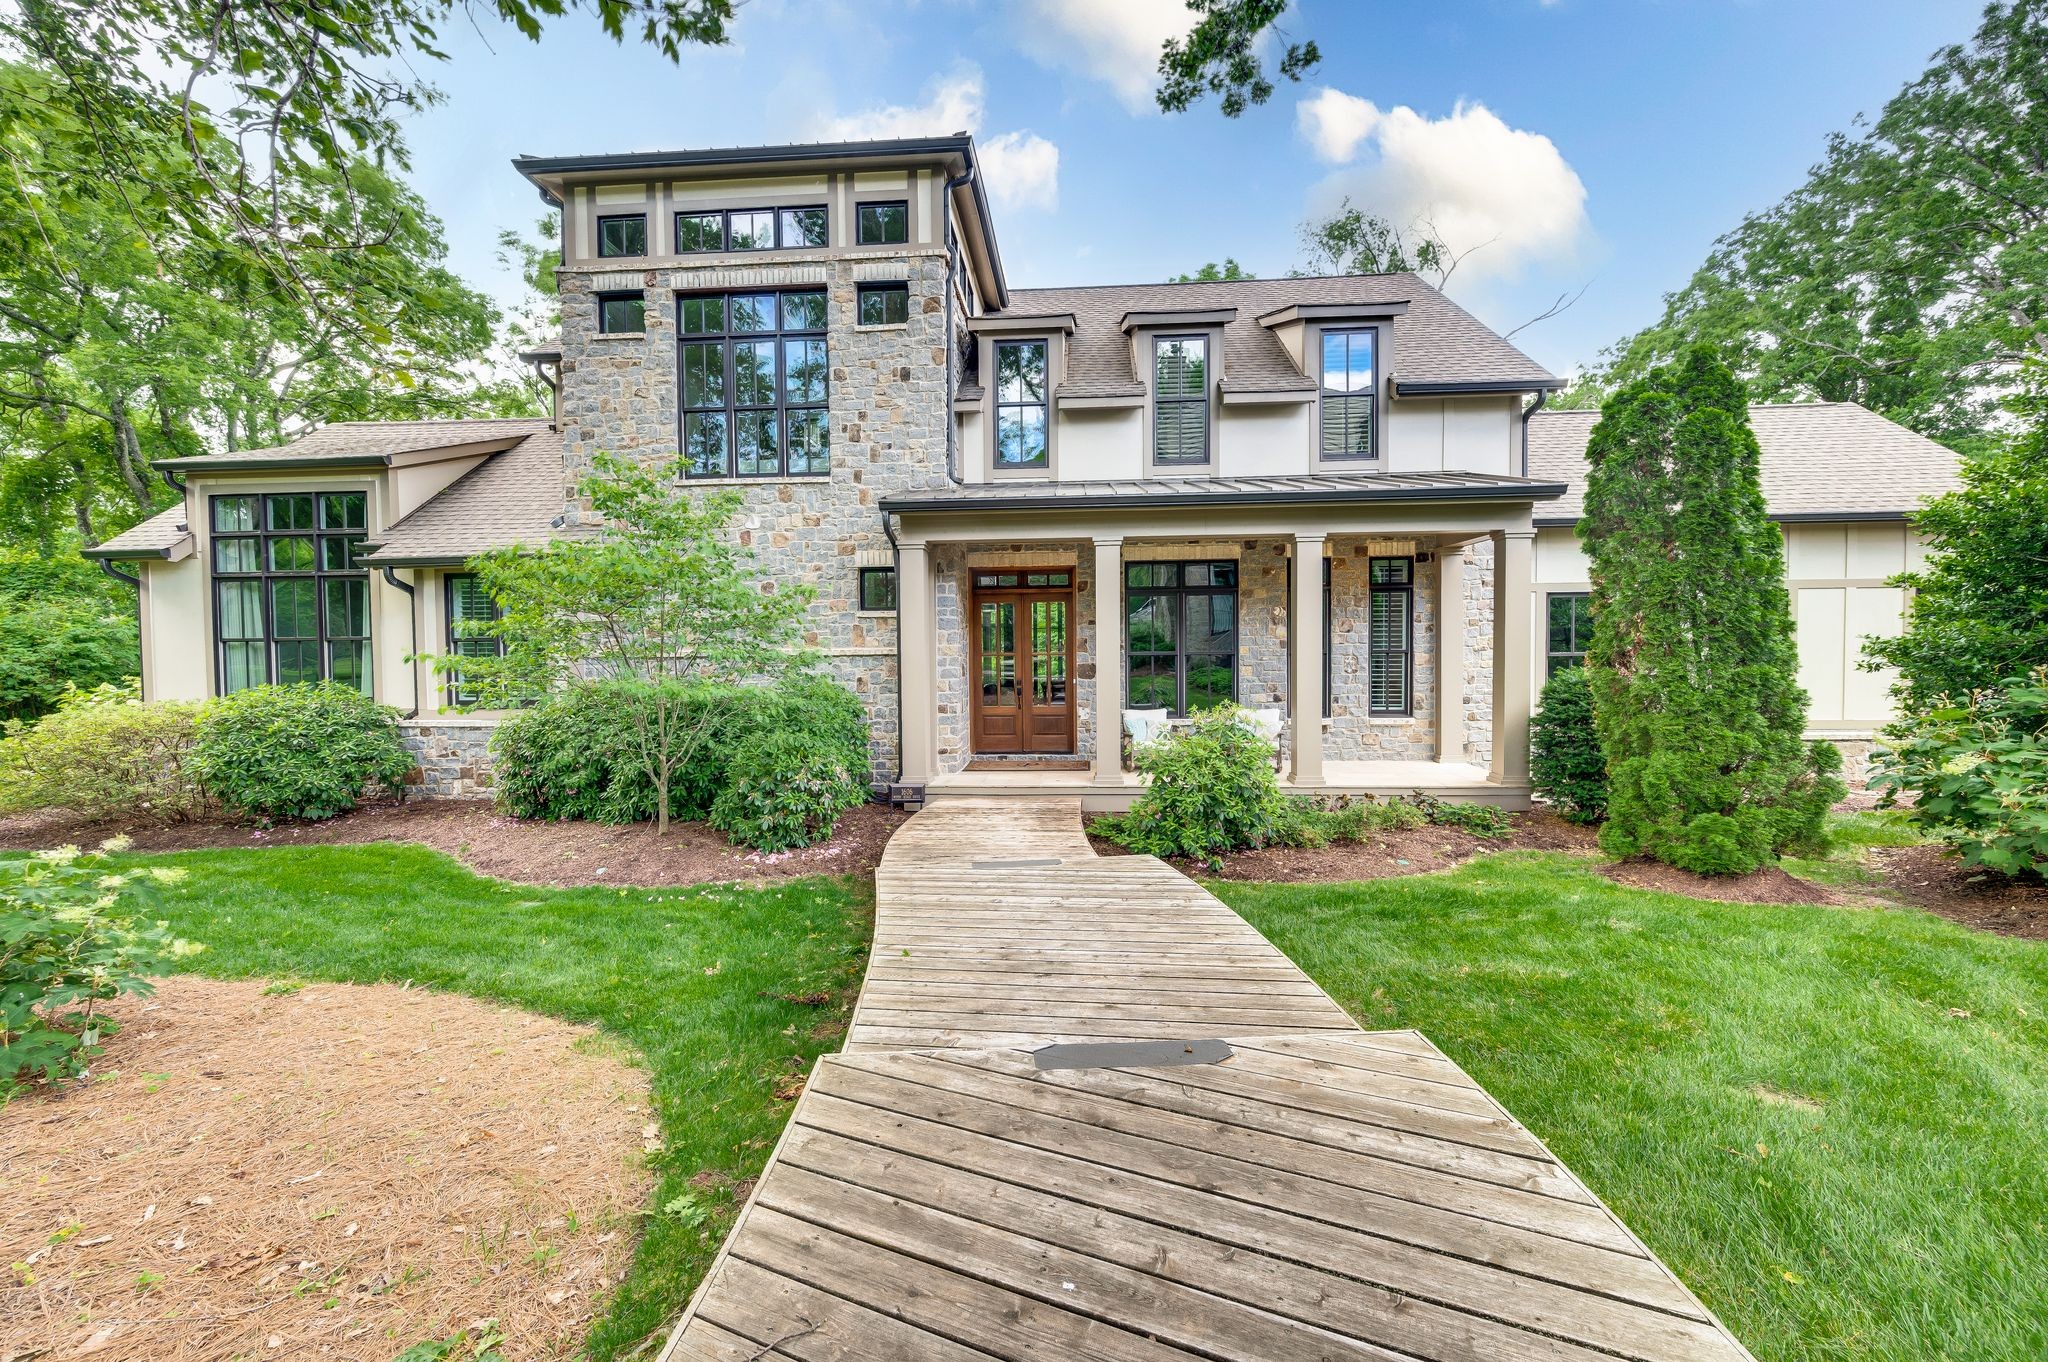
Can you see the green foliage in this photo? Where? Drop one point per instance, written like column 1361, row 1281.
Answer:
column 782, row 791
column 1220, row 56
column 1980, row 603
column 1353, row 241
column 103, row 753
column 63, row 623
column 1977, row 770
column 1692, row 665
column 1565, row 762
column 1481, row 820
column 72, row 938
column 480, row 1342
column 1212, row 791
column 298, row 751
column 1318, row 822
column 1212, row 272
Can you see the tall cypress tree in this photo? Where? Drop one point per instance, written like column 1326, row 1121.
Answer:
column 1692, row 661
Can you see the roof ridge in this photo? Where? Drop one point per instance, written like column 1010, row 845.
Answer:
column 1183, row 283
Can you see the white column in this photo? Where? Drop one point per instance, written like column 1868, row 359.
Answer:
column 1109, row 661
column 1450, row 655
column 1513, row 552
column 916, row 688
column 1305, row 686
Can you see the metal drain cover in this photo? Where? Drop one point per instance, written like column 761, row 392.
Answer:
column 1132, row 1054
column 1032, row 864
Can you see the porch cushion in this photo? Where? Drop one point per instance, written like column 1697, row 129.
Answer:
column 1145, row 725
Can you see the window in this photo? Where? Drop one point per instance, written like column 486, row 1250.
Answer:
column 1389, row 643
column 884, row 304
column 878, row 588
column 1020, row 404
column 468, row 605
column 749, row 229
column 1180, row 628
column 881, row 224
column 291, row 602
column 1348, row 394
column 621, row 313
column 622, row 235
column 1180, row 400
column 752, row 370
column 1570, row 617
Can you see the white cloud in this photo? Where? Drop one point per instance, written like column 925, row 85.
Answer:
column 1114, row 41
column 1506, row 195
column 1022, row 168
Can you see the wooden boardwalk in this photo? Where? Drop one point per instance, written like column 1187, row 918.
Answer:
column 950, row 1188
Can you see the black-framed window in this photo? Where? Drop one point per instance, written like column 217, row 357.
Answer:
column 881, row 224
column 291, row 599
column 751, row 229
column 877, row 588
column 621, row 313
column 1021, row 381
column 1390, row 637
column 1569, row 617
column 1180, row 634
column 624, row 235
column 468, row 604
column 1349, row 392
column 752, row 369
column 1180, row 400
column 884, row 304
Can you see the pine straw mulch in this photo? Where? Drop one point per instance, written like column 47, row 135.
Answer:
column 491, row 843
column 335, row 1172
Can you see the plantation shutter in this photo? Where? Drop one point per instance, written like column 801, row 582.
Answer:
column 468, row 604
column 1180, row 392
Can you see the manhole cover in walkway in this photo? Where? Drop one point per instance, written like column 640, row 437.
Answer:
column 1132, row 1054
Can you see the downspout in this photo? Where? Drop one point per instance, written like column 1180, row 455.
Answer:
column 1542, row 396
column 173, row 481
column 412, row 611
column 107, row 566
column 966, row 177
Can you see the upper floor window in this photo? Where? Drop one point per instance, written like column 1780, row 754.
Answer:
column 752, row 371
column 749, row 229
column 621, row 313
column 1348, row 394
column 884, row 304
column 469, row 605
column 1020, row 404
column 624, row 235
column 1180, row 400
column 881, row 224
column 1569, row 615
column 291, row 603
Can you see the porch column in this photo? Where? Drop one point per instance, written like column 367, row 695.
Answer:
column 1109, row 661
column 915, row 687
column 1513, row 551
column 1305, row 686
column 1450, row 654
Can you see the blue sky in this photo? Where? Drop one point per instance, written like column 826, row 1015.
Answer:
column 1601, row 144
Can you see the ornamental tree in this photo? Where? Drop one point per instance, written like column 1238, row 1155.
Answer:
column 1692, row 661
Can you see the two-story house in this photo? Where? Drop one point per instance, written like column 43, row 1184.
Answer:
column 1027, row 513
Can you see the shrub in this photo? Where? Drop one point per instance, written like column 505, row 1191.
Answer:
column 1347, row 818
column 103, row 753
column 298, row 751
column 71, row 938
column 1565, row 762
column 1978, row 773
column 785, row 790
column 1212, row 791
column 1482, row 820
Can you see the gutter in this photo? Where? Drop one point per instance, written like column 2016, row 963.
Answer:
column 1479, row 387
column 412, row 603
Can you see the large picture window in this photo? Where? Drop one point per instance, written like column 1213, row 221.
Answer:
column 1348, row 392
column 291, row 600
column 1020, row 404
column 1180, row 400
column 1570, row 621
column 752, row 371
column 469, row 605
column 1389, row 640
column 1180, row 629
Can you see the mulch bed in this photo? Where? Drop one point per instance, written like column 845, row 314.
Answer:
column 1768, row 885
column 490, row 843
column 338, row 1171
column 1932, row 878
column 1386, row 855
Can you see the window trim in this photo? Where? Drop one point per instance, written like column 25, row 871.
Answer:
column 725, row 216
column 725, row 339
column 863, row 205
column 1179, row 593
column 263, row 575
column 881, row 288
column 861, row 591
column 621, row 296
column 452, row 680
column 1375, row 408
column 1406, row 591
column 1550, row 655
column 1044, row 466
column 598, row 236
column 1207, row 401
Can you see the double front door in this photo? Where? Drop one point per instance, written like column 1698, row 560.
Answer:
column 1023, row 661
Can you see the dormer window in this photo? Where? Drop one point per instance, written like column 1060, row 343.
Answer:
column 1349, row 392
column 1021, row 368
column 1180, row 400
column 881, row 224
column 622, row 236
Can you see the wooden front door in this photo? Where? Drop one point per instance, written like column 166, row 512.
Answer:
column 1023, row 661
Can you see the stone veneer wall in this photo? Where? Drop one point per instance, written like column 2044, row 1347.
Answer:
column 1354, row 734
column 454, row 756
column 1479, row 653
column 952, row 568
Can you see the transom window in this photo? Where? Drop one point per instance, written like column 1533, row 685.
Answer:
column 1389, row 638
column 1348, row 392
column 997, row 581
column 1180, row 629
column 621, row 313
column 1570, row 620
column 468, row 606
column 750, row 229
column 1180, row 400
column 1020, row 404
column 622, row 235
column 752, row 368
column 881, row 224
column 884, row 304
column 291, row 600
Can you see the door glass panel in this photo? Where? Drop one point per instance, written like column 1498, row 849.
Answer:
column 1049, row 653
column 998, row 654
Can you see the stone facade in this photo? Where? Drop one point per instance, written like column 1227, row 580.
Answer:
column 454, row 756
column 1478, row 692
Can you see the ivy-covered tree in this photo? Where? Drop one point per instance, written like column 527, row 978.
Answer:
column 1692, row 660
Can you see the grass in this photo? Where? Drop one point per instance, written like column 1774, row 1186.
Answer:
column 1831, row 1122
column 1847, row 864
column 698, row 981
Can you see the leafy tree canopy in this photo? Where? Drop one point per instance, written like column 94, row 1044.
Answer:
column 62, row 623
column 1354, row 241
column 1219, row 57
column 1212, row 272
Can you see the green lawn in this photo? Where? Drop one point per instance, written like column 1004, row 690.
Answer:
column 1833, row 1123
column 695, row 980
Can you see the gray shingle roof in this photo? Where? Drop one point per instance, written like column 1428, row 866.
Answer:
column 1278, row 489
column 367, row 441
column 507, row 500
column 156, row 537
column 1819, row 459
column 1438, row 341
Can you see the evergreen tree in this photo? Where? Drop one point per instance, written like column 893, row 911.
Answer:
column 1566, row 765
column 1692, row 661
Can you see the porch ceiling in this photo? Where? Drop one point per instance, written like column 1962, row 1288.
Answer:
column 1295, row 489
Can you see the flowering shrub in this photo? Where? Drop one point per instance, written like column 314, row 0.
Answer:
column 104, row 753
column 72, row 936
column 1978, row 773
column 785, row 790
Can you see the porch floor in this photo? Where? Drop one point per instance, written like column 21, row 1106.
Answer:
column 1460, row 781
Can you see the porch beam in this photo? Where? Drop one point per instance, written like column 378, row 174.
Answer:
column 916, row 687
column 1457, row 521
column 1305, row 635
column 1109, row 661
column 1513, row 565
column 1450, row 654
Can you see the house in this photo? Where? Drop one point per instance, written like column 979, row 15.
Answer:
column 1025, row 511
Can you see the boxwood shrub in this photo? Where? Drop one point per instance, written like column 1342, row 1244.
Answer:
column 298, row 751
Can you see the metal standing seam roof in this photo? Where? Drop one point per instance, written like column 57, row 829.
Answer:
column 156, row 537
column 511, row 499
column 363, row 442
column 1820, row 461
column 1273, row 490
